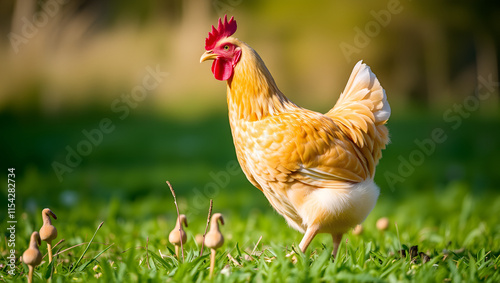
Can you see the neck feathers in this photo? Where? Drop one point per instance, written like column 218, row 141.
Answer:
column 252, row 92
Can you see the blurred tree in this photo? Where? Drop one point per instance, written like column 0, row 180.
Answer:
column 433, row 52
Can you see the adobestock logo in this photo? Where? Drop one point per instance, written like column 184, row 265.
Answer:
column 219, row 180
column 30, row 28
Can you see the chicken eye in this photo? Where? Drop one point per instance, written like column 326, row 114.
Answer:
column 226, row 47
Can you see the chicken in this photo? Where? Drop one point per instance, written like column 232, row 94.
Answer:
column 316, row 170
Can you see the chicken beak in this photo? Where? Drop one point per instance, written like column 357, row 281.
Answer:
column 208, row 55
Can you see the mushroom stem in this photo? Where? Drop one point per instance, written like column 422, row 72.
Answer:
column 30, row 273
column 212, row 261
column 49, row 250
column 176, row 251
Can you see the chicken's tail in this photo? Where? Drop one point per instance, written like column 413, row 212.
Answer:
column 362, row 111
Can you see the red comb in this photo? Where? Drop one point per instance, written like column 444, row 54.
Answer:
column 224, row 29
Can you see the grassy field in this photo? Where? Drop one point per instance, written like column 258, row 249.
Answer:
column 447, row 204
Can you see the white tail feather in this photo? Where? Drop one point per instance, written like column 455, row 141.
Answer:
column 363, row 87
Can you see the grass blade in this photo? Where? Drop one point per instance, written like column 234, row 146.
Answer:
column 94, row 258
column 86, row 249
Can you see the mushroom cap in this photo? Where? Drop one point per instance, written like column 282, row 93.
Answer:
column 174, row 238
column 32, row 255
column 48, row 233
column 47, row 211
column 358, row 230
column 199, row 239
column 214, row 238
column 382, row 224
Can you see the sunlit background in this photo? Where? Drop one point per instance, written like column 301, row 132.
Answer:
column 101, row 102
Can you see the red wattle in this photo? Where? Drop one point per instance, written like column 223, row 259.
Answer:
column 222, row 69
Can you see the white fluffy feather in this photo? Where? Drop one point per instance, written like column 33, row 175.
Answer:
column 349, row 206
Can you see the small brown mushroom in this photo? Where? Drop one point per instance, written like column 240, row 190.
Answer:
column 32, row 256
column 358, row 230
column 382, row 224
column 175, row 237
column 199, row 239
column 214, row 239
column 48, row 232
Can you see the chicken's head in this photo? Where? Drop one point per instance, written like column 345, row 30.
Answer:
column 223, row 49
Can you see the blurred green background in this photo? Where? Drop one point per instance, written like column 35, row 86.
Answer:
column 66, row 67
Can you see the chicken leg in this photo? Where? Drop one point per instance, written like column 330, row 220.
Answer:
column 336, row 243
column 311, row 233
column 308, row 237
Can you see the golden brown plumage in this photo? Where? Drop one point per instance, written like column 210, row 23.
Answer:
column 315, row 169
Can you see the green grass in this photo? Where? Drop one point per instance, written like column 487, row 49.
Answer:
column 461, row 246
column 448, row 207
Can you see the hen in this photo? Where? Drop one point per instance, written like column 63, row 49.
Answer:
column 315, row 169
